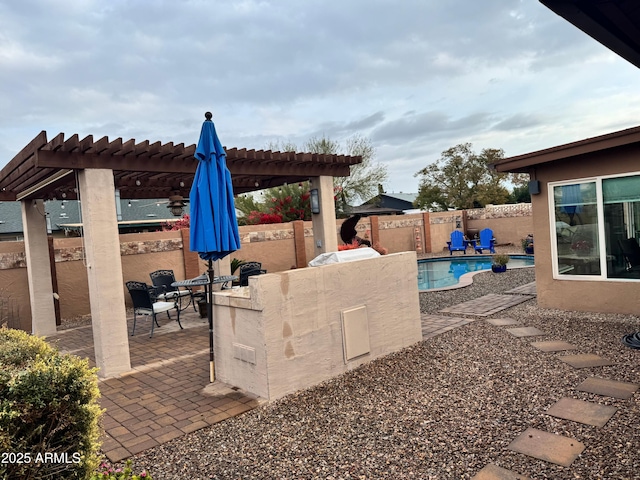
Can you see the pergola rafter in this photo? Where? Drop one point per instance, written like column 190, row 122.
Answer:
column 150, row 169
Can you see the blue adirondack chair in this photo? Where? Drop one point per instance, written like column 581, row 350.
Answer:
column 457, row 242
column 486, row 241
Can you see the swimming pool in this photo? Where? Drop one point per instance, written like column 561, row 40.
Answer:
column 436, row 273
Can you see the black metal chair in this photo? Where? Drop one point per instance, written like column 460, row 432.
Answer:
column 162, row 280
column 145, row 303
column 249, row 269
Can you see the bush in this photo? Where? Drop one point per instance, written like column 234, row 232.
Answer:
column 48, row 411
column 500, row 259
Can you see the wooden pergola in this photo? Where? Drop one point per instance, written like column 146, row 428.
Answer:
column 92, row 171
column 44, row 169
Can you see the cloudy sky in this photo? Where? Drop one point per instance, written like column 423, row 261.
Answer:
column 415, row 76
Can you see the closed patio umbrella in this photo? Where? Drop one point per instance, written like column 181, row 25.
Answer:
column 213, row 227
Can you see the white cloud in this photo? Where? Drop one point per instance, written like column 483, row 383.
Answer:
column 417, row 77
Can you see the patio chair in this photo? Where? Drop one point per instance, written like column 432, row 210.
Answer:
column 162, row 280
column 486, row 241
column 630, row 253
column 249, row 269
column 457, row 242
column 145, row 303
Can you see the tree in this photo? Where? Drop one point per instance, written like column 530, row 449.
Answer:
column 462, row 179
column 365, row 177
column 288, row 203
column 246, row 204
column 520, row 194
column 291, row 202
column 281, row 204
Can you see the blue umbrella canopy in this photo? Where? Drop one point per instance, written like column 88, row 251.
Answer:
column 214, row 228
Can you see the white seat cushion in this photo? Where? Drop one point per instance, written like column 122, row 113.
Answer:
column 174, row 294
column 163, row 306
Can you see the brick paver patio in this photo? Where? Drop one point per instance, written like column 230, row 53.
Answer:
column 167, row 394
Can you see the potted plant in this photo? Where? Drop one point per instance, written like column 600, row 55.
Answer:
column 235, row 264
column 527, row 244
column 500, row 263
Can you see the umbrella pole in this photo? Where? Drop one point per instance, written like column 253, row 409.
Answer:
column 212, row 369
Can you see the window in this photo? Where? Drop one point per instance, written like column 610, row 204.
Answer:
column 597, row 227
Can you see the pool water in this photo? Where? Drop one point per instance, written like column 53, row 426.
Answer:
column 446, row 272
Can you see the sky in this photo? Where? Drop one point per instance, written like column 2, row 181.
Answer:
column 416, row 77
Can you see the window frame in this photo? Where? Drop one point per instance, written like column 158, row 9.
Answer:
column 601, row 229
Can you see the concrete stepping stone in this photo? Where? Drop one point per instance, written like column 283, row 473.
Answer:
column 608, row 388
column 553, row 346
column 585, row 360
column 547, row 446
column 589, row 413
column 500, row 322
column 525, row 332
column 494, row 472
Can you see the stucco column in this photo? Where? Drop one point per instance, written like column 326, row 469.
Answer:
column 104, row 272
column 34, row 222
column 325, row 236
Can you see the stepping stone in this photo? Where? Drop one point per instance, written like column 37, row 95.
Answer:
column 547, row 446
column 494, row 472
column 586, row 360
column 525, row 332
column 580, row 411
column 553, row 346
column 609, row 388
column 499, row 322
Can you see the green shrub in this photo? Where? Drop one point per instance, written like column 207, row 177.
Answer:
column 48, row 411
column 500, row 259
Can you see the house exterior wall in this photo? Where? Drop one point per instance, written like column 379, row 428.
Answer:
column 612, row 296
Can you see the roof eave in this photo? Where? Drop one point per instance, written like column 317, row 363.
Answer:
column 523, row 163
column 604, row 22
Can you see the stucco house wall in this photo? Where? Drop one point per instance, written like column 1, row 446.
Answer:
column 580, row 294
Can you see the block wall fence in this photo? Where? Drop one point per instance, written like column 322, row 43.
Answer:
column 279, row 247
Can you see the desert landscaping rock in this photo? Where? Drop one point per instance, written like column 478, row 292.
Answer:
column 444, row 408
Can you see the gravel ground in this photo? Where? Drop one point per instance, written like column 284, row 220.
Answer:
column 441, row 409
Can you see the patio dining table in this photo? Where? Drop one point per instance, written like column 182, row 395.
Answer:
column 203, row 280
